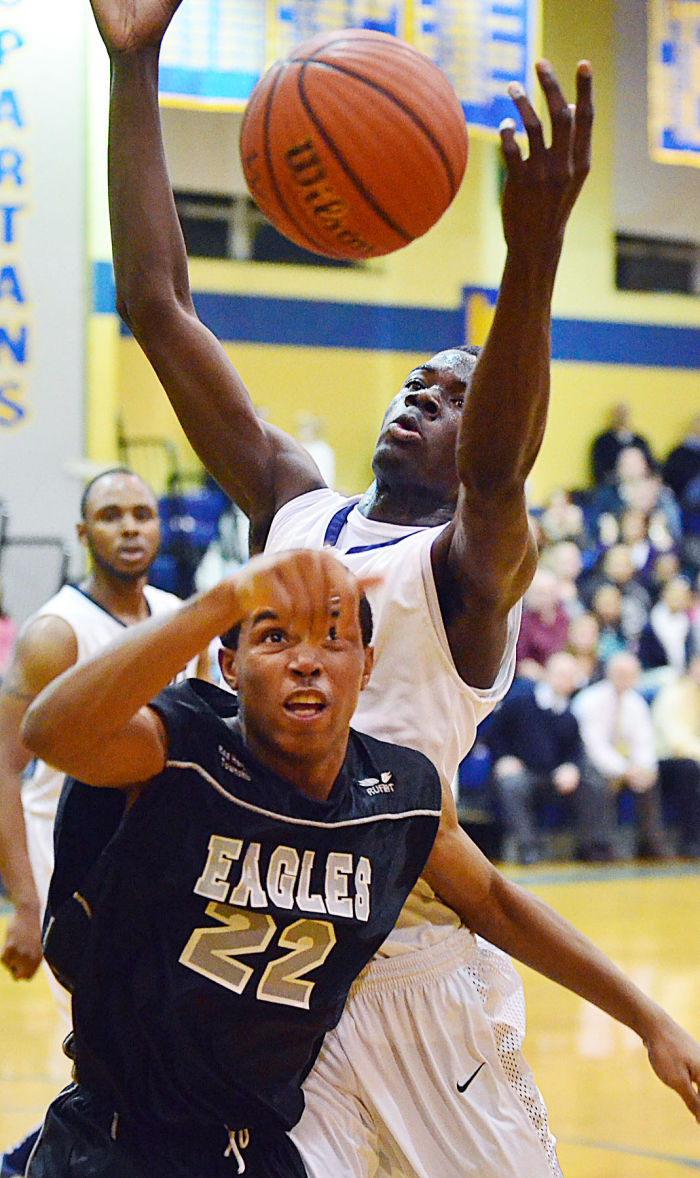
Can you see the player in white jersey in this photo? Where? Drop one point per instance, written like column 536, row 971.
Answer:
column 445, row 624
column 121, row 532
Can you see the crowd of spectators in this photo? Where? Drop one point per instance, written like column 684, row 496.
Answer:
column 615, row 725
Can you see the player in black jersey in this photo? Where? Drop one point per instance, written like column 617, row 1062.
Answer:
column 264, row 856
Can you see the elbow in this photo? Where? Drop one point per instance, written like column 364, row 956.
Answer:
column 145, row 312
column 39, row 733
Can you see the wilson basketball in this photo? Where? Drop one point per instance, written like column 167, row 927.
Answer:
column 354, row 144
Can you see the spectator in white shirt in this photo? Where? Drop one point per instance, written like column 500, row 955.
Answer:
column 617, row 730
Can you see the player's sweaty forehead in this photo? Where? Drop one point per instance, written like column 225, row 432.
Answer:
column 461, row 364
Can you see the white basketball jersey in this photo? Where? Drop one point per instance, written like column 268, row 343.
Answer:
column 415, row 696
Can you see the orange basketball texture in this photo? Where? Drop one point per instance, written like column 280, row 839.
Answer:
column 354, row 144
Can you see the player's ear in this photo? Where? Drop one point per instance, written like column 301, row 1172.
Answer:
column 228, row 665
column 81, row 531
column 369, row 663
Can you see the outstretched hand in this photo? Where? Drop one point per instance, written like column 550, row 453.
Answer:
column 541, row 190
column 133, row 24
column 675, row 1057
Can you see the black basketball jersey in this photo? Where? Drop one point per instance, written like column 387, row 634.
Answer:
column 230, row 913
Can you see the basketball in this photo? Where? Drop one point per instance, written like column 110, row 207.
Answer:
column 354, row 144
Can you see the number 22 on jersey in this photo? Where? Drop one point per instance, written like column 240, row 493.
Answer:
column 216, row 953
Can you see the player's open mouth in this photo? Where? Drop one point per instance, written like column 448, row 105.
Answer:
column 404, row 429
column 305, row 704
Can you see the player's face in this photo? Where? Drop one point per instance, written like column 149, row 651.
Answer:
column 296, row 694
column 419, row 431
column 121, row 528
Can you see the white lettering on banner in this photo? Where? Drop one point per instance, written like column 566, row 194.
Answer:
column 16, row 311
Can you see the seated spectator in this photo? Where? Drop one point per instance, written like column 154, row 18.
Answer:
column 537, row 754
column 608, row 444
column 618, row 737
column 565, row 560
column 676, row 713
column 617, row 568
column 660, row 506
column 606, row 607
column 563, row 519
column 666, row 566
column 583, row 642
column 667, row 640
column 634, row 532
column 682, row 463
column 544, row 625
column 637, row 484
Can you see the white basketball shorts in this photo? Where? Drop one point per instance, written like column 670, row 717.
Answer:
column 424, row 1077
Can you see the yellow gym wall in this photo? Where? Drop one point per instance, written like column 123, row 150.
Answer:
column 350, row 388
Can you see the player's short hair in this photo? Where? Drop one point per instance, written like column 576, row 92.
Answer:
column 85, row 497
column 230, row 637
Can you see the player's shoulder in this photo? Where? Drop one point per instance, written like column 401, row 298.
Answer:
column 292, row 523
column 62, row 604
column 194, row 708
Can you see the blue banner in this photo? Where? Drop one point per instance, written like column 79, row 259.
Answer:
column 215, row 50
column 674, row 81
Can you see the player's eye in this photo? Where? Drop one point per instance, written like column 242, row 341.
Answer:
column 273, row 637
column 414, row 384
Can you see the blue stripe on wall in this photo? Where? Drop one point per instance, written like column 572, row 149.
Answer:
column 645, row 344
column 325, row 324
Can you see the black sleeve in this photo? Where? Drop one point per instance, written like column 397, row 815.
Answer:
column 179, row 709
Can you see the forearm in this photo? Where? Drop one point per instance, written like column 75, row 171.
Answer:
column 525, row 927
column 15, row 866
column 150, row 260
column 510, row 385
column 81, row 710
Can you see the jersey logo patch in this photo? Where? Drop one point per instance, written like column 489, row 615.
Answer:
column 384, row 784
column 231, row 764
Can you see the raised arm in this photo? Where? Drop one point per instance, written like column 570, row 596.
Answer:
column 487, row 557
column 45, row 649
column 259, row 466
column 524, row 926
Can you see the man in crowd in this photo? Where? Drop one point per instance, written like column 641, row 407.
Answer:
column 618, row 737
column 538, row 755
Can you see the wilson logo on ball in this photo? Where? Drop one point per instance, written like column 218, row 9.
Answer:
column 354, row 145
column 326, row 206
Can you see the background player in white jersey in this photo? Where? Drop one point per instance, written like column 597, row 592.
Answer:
column 121, row 532
column 447, row 616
